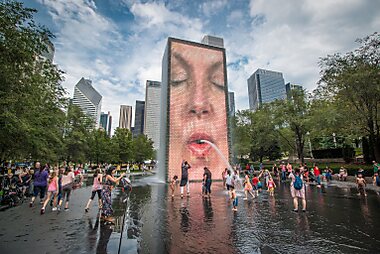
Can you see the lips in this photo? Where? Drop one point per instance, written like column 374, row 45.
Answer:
column 200, row 150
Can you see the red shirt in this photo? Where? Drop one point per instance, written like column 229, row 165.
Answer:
column 255, row 181
column 316, row 171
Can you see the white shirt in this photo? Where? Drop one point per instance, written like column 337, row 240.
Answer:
column 229, row 179
column 67, row 179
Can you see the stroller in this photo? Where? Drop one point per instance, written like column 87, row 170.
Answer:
column 10, row 193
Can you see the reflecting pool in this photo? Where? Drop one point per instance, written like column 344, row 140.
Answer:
column 337, row 221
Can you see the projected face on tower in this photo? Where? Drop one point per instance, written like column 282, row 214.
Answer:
column 197, row 109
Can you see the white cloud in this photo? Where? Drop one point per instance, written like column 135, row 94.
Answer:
column 90, row 45
column 287, row 36
column 212, row 7
column 293, row 38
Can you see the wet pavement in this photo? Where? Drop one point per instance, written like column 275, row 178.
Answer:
column 337, row 221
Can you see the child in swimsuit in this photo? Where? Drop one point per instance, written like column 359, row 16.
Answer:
column 173, row 184
column 361, row 184
column 234, row 199
column 271, row 186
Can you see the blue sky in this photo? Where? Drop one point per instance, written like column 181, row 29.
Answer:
column 119, row 44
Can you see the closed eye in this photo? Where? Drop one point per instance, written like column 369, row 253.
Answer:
column 179, row 77
column 216, row 76
column 218, row 85
column 180, row 70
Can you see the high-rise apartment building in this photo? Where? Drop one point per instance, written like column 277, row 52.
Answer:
column 88, row 100
column 139, row 118
column 265, row 86
column 213, row 41
column 109, row 125
column 231, row 103
column 105, row 122
column 125, row 119
column 152, row 112
column 289, row 87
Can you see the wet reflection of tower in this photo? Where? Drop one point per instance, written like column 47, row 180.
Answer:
column 192, row 222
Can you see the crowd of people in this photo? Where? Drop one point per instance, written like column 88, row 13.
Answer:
column 54, row 186
column 254, row 181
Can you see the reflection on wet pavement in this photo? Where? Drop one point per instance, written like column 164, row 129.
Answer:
column 337, row 221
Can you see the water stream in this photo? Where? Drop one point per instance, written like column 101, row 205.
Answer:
column 218, row 151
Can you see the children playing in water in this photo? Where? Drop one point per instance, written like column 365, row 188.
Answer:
column 234, row 199
column 247, row 186
column 361, row 184
column 256, row 182
column 271, row 186
column 173, row 184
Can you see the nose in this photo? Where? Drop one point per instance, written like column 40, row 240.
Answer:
column 199, row 105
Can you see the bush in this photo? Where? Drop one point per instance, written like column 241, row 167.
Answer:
column 347, row 153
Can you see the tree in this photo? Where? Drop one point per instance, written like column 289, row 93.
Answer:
column 294, row 113
column 122, row 145
column 99, row 146
column 328, row 118
column 353, row 81
column 76, row 133
column 31, row 98
column 255, row 135
column 142, row 148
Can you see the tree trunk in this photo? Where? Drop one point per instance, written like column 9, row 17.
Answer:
column 300, row 144
column 372, row 140
column 377, row 149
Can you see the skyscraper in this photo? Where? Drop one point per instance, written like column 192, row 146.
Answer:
column 213, row 41
column 265, row 86
column 105, row 122
column 139, row 118
column 125, row 119
column 231, row 103
column 289, row 87
column 152, row 112
column 88, row 99
column 109, row 125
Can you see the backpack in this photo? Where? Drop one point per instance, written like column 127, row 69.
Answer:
column 298, row 183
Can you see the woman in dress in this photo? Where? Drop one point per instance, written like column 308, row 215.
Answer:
column 110, row 180
column 247, row 186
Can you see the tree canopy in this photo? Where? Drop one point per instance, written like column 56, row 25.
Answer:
column 352, row 80
column 36, row 120
column 31, row 97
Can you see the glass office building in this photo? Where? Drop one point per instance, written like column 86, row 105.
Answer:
column 152, row 112
column 265, row 86
column 139, row 118
column 88, row 99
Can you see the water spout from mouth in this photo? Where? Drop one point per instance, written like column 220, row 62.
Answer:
column 201, row 141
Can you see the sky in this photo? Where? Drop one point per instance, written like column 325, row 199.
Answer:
column 119, row 44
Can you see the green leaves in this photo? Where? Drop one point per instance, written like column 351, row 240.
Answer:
column 352, row 81
column 31, row 98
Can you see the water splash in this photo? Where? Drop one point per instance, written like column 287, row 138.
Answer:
column 218, row 151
